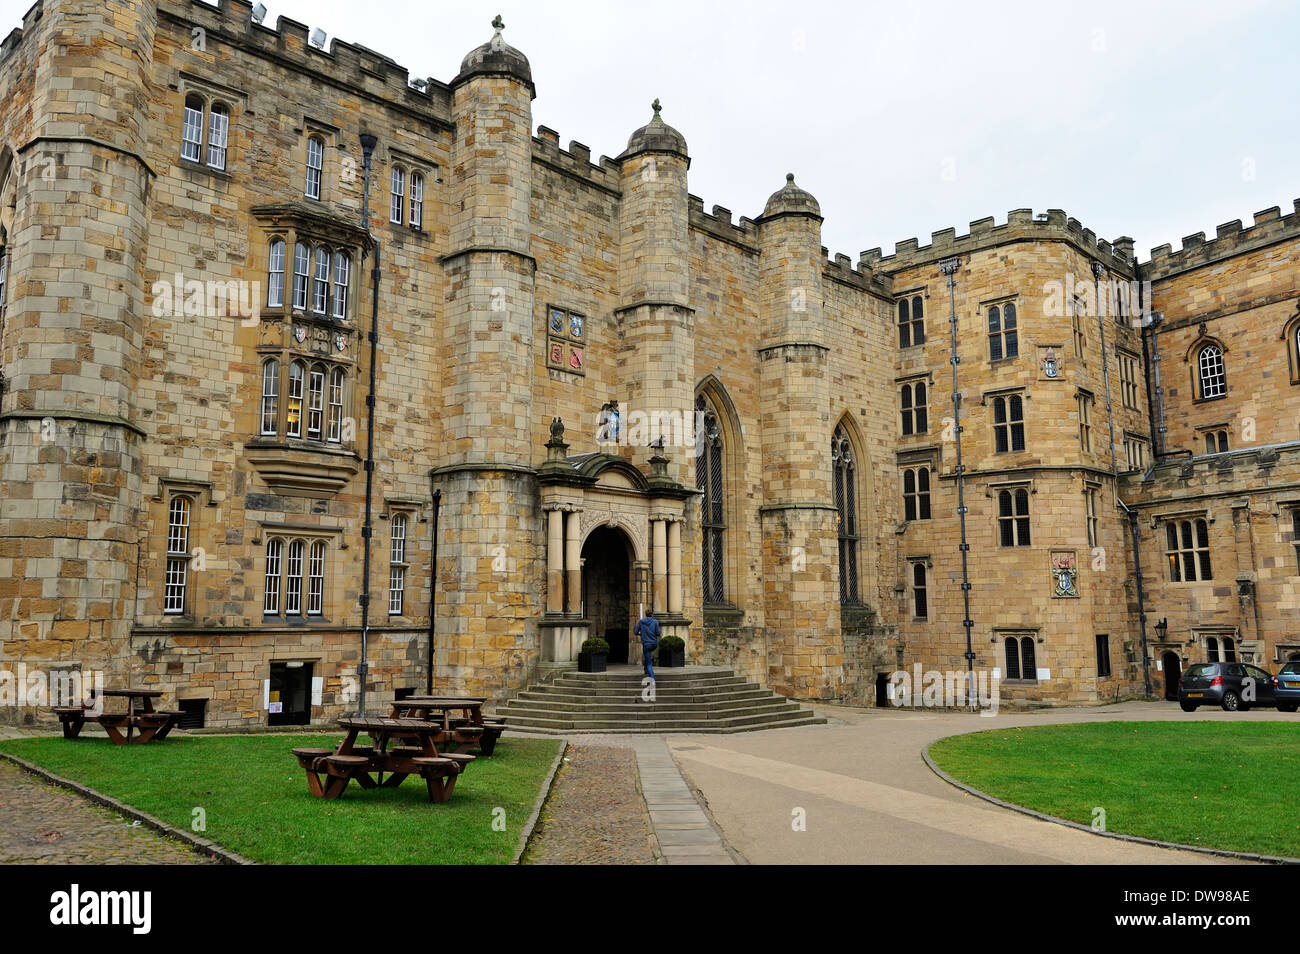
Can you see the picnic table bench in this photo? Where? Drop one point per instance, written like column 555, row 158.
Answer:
column 471, row 706
column 140, row 724
column 329, row 772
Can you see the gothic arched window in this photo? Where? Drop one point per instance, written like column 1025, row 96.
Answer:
column 709, row 481
column 846, row 518
column 1213, row 378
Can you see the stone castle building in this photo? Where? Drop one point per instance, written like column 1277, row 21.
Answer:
column 591, row 396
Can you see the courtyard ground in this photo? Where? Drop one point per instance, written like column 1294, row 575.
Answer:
column 858, row 786
column 867, row 797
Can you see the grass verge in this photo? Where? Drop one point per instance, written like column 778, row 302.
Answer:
column 1225, row 785
column 254, row 800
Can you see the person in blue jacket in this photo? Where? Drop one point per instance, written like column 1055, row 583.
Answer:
column 648, row 629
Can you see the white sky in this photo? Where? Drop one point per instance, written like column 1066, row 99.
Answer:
column 1154, row 120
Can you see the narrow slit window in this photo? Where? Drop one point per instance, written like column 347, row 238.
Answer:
column 315, row 166
column 398, row 193
column 218, row 129
column 275, row 275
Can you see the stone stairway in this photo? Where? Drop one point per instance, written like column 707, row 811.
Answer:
column 692, row 699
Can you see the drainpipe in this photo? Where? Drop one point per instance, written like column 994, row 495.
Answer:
column 949, row 268
column 368, row 143
column 1097, row 270
column 433, row 587
column 1142, row 603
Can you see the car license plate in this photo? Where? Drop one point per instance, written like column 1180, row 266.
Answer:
column 1196, row 695
column 1292, row 685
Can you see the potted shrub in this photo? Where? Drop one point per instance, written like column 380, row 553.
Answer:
column 592, row 656
column 672, row 652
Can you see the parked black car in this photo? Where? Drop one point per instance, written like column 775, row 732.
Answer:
column 1286, row 686
column 1234, row 686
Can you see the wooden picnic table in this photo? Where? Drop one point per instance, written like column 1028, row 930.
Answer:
column 351, row 761
column 140, row 724
column 422, row 707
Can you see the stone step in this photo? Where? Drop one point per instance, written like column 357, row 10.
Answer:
column 735, row 724
column 618, row 682
column 635, row 698
column 544, row 705
column 660, row 689
column 695, row 699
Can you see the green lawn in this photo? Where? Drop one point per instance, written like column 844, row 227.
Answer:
column 1211, row 784
column 256, row 802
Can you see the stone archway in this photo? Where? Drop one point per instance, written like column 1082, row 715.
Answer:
column 607, row 588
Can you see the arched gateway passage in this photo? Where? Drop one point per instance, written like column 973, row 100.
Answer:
column 607, row 588
column 1170, row 663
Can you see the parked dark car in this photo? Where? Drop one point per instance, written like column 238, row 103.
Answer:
column 1234, row 686
column 1286, row 686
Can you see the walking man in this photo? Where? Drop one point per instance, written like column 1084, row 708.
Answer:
column 648, row 629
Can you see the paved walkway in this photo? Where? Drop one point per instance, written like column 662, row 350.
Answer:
column 684, row 832
column 594, row 813
column 866, row 797
column 41, row 824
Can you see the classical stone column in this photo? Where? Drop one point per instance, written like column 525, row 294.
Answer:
column 659, row 561
column 572, row 569
column 675, row 567
column 555, row 561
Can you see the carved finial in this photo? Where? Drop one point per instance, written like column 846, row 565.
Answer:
column 557, row 425
column 656, row 107
column 498, row 24
column 789, row 177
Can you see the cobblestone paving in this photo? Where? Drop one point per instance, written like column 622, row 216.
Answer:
column 595, row 814
column 44, row 825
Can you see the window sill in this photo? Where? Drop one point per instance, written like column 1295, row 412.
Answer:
column 302, row 468
column 199, row 167
column 1205, row 400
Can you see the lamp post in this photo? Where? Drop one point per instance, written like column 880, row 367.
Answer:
column 949, row 268
column 368, row 143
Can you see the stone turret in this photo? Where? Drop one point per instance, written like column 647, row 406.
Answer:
column 70, row 481
column 489, row 557
column 800, row 545
column 654, row 282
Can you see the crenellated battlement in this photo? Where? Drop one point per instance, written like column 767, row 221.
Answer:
column 15, row 36
column 1230, row 239
column 1021, row 226
column 576, row 160
column 719, row 224
column 344, row 63
column 841, row 269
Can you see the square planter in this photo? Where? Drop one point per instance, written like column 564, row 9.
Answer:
column 672, row 658
column 590, row 662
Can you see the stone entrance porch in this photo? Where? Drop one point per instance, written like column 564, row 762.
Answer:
column 614, row 551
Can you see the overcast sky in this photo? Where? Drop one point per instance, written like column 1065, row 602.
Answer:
column 1146, row 119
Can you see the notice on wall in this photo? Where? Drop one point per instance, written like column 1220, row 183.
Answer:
column 317, row 688
column 1159, row 667
column 275, row 708
column 1044, row 675
column 997, row 672
column 266, row 693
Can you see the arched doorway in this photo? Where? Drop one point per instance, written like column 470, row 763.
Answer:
column 607, row 589
column 1173, row 670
